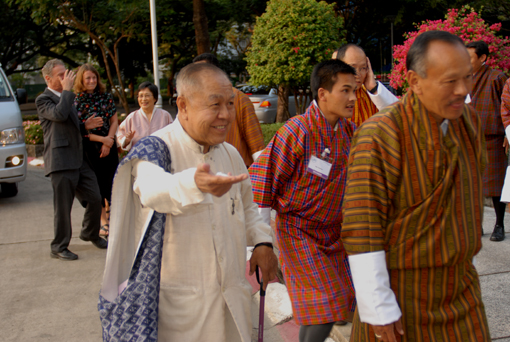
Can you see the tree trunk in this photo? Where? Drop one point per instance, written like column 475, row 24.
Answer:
column 300, row 99
column 282, row 110
column 115, row 59
column 201, row 28
column 105, row 52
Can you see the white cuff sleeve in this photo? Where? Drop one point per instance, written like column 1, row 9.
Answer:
column 468, row 99
column 256, row 155
column 377, row 304
column 266, row 215
column 383, row 98
column 507, row 132
column 166, row 192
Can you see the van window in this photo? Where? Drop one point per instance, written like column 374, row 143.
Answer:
column 5, row 93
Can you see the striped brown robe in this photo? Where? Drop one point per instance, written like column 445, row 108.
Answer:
column 364, row 108
column 418, row 196
column 486, row 98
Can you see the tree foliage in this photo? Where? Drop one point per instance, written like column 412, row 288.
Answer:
column 106, row 22
column 23, row 41
column 465, row 23
column 289, row 39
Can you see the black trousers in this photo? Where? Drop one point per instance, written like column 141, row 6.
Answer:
column 67, row 184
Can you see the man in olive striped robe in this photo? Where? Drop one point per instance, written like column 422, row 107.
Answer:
column 414, row 203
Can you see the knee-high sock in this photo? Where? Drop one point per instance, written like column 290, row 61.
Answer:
column 315, row 333
column 499, row 207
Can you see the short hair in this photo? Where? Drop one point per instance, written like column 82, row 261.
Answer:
column 152, row 88
column 341, row 51
column 208, row 57
column 324, row 75
column 481, row 48
column 48, row 67
column 417, row 54
column 187, row 79
column 79, row 87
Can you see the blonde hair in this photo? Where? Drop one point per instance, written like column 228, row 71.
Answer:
column 79, row 87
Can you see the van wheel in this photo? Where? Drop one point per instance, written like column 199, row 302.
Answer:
column 9, row 189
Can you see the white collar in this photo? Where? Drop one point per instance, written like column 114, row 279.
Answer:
column 444, row 126
column 55, row 92
column 153, row 110
column 317, row 105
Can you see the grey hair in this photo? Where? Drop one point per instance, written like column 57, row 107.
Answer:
column 189, row 78
column 48, row 67
column 417, row 54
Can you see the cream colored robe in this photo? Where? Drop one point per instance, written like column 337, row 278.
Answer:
column 204, row 295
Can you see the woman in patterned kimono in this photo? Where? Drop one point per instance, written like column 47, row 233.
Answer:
column 99, row 145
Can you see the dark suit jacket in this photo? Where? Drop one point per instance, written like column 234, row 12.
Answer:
column 62, row 131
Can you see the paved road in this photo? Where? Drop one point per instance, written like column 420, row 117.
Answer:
column 44, row 299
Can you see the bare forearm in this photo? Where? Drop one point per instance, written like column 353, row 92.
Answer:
column 114, row 125
column 95, row 137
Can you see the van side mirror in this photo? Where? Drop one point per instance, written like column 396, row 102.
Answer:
column 21, row 95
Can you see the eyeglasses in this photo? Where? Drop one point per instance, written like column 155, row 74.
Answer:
column 145, row 96
column 360, row 70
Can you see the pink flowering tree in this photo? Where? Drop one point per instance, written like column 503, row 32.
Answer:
column 465, row 23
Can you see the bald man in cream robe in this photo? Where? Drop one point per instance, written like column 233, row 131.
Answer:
column 210, row 218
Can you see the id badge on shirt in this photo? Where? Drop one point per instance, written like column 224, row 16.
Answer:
column 319, row 167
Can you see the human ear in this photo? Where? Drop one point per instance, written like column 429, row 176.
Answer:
column 182, row 107
column 321, row 94
column 413, row 79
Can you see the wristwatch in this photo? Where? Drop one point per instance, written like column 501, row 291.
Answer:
column 267, row 244
column 374, row 89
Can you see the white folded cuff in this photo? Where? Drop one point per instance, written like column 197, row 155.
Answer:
column 383, row 97
column 266, row 215
column 377, row 304
column 256, row 155
column 507, row 132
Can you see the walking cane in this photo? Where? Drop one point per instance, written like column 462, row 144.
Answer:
column 262, row 302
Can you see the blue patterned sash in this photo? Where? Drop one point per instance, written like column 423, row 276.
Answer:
column 133, row 315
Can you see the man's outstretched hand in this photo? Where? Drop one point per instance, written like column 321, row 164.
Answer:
column 215, row 184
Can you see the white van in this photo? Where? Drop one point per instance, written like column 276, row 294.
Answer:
column 13, row 153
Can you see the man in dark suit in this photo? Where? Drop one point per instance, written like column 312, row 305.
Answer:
column 63, row 160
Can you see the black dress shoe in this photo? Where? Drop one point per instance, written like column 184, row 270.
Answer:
column 99, row 242
column 64, row 255
column 498, row 234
